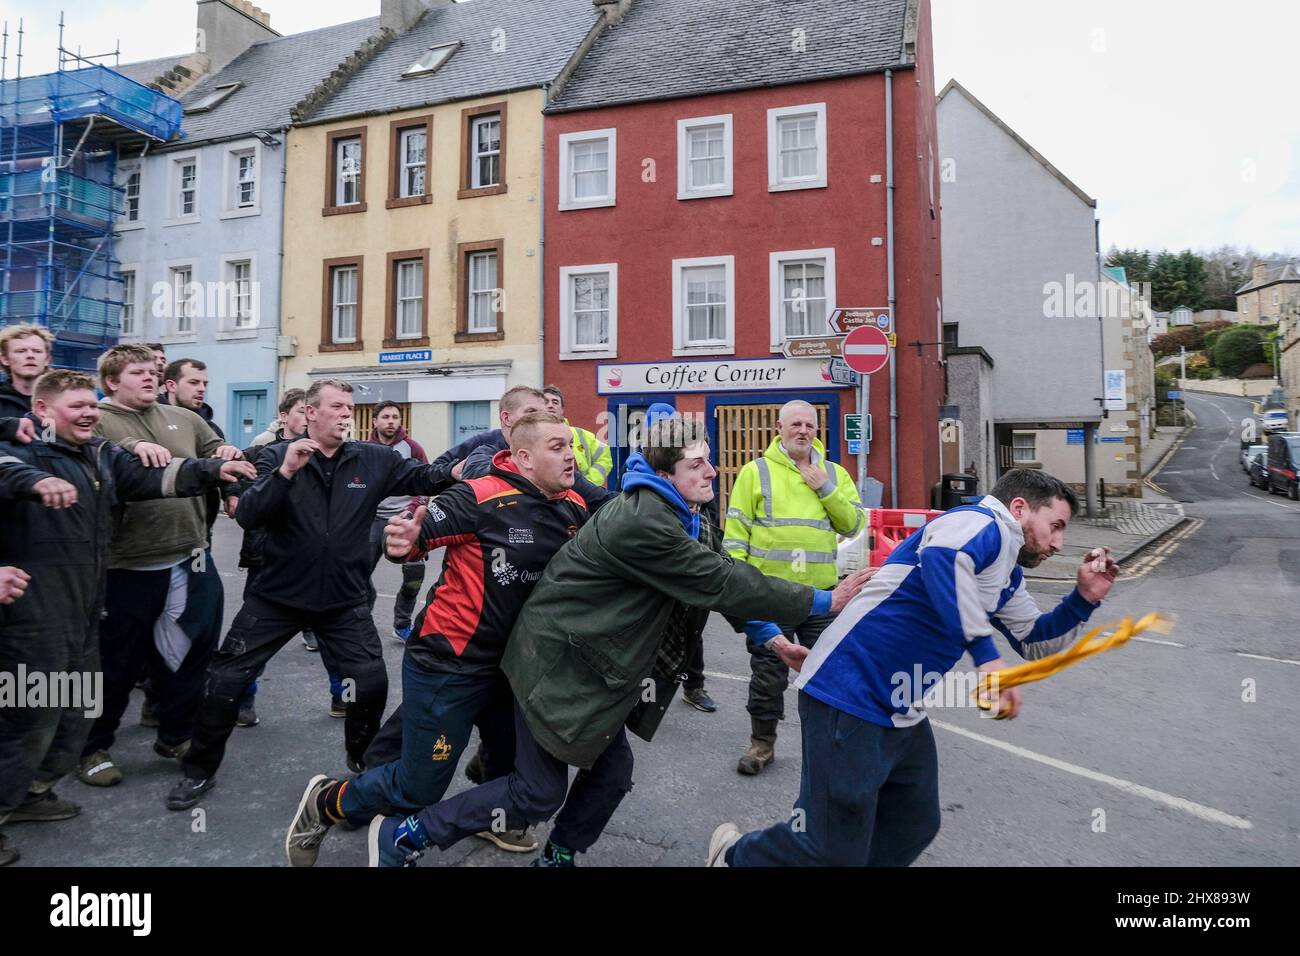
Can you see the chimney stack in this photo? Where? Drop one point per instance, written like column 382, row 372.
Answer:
column 400, row 15
column 226, row 28
column 614, row 10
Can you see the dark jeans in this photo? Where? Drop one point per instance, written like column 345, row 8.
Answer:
column 259, row 630
column 133, row 602
column 250, row 695
column 768, row 674
column 533, row 791
column 868, row 796
column 43, row 743
column 438, row 712
column 694, row 667
column 412, row 578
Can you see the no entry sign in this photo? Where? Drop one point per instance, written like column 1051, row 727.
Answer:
column 866, row 350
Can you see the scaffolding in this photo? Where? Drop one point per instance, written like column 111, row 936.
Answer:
column 60, row 136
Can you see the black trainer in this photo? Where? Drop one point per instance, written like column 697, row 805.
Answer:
column 186, row 794
column 699, row 699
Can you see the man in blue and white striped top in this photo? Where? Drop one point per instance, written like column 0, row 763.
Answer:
column 870, row 792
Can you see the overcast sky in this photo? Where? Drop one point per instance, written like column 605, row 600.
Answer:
column 1179, row 116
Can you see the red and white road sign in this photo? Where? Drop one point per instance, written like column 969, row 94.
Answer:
column 866, row 350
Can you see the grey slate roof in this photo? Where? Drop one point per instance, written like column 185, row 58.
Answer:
column 540, row 37
column 1288, row 271
column 673, row 48
column 146, row 71
column 276, row 74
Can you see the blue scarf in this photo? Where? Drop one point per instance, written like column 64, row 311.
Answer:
column 639, row 474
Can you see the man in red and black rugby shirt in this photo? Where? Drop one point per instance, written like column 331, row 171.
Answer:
column 499, row 531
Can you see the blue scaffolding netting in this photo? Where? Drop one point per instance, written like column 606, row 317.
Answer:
column 60, row 135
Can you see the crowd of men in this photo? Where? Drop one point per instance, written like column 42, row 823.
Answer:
column 559, row 603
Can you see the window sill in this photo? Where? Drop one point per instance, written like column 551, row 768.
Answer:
column 187, row 221
column 791, row 187
column 406, row 343
column 343, row 210
column 481, row 191
column 467, row 337
column 241, row 213
column 186, row 338
column 705, row 350
column 706, row 193
column 400, row 201
column 130, row 226
column 232, row 334
column 569, row 205
column 593, row 354
column 345, row 347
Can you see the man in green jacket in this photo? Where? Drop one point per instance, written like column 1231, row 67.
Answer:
column 163, row 597
column 584, row 650
column 784, row 516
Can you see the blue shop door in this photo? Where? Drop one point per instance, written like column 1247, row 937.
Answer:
column 252, row 415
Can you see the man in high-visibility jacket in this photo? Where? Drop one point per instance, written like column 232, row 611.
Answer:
column 591, row 456
column 783, row 516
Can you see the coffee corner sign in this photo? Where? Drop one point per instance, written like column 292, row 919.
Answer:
column 730, row 375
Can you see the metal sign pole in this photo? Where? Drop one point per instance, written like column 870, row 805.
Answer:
column 864, row 401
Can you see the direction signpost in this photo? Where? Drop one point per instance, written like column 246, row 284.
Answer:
column 812, row 346
column 841, row 374
column 845, row 320
column 862, row 346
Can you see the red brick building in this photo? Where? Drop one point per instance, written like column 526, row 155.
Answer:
column 716, row 180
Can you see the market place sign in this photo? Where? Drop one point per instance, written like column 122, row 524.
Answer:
column 729, row 375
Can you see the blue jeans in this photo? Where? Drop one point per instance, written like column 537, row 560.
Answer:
column 868, row 796
column 534, row 791
column 438, row 712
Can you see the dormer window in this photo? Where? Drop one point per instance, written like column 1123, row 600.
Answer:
column 213, row 99
column 431, row 60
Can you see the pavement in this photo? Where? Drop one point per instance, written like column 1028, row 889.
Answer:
column 1128, row 526
column 1168, row 751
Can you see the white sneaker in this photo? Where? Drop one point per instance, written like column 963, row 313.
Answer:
column 724, row 837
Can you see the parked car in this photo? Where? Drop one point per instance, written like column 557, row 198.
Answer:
column 1258, row 469
column 1248, row 454
column 1283, row 464
column 1275, row 420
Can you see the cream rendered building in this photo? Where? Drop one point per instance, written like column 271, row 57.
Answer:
column 413, row 212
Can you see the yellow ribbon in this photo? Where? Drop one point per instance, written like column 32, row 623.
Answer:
column 1091, row 643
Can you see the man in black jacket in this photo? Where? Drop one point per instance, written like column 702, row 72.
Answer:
column 58, row 497
column 316, row 497
column 292, row 425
